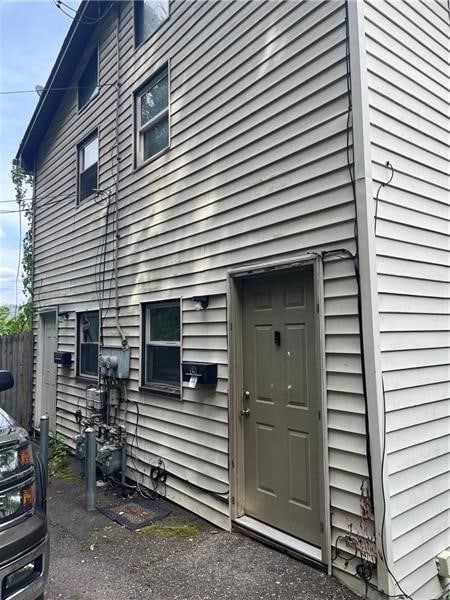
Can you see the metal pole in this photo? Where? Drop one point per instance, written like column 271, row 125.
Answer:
column 91, row 452
column 124, row 462
column 43, row 446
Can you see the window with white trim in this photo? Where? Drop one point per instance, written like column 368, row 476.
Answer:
column 152, row 115
column 161, row 353
column 87, row 346
column 88, row 167
column 148, row 16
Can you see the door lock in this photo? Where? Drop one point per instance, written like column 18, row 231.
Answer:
column 245, row 412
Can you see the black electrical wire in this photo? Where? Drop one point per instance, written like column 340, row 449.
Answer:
column 52, row 89
column 382, row 185
column 199, row 487
column 134, row 437
column 351, row 167
column 100, row 268
column 159, row 471
column 339, row 553
column 84, row 19
column 46, row 201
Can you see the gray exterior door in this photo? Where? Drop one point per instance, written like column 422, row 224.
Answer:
column 281, row 425
column 48, row 398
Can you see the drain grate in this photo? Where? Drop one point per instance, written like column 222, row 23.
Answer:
column 136, row 513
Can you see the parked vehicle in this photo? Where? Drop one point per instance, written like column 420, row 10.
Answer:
column 23, row 520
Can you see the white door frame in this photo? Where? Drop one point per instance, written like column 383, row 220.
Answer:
column 40, row 360
column 234, row 303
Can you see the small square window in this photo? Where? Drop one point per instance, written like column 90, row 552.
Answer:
column 87, row 167
column 87, row 347
column 88, row 82
column 149, row 14
column 152, row 110
column 161, row 368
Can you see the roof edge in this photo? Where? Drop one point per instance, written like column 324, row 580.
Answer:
column 76, row 38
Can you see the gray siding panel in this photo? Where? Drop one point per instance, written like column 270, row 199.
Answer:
column 257, row 169
column 407, row 45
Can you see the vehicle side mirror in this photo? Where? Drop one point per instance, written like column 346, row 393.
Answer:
column 6, row 380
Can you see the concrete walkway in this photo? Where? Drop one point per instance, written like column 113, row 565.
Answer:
column 181, row 558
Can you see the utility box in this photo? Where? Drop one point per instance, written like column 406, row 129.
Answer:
column 109, row 459
column 62, row 358
column 114, row 362
column 198, row 373
column 94, row 398
column 443, row 563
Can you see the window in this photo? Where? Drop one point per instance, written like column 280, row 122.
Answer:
column 87, row 167
column 87, row 347
column 149, row 14
column 153, row 117
column 88, row 82
column 161, row 352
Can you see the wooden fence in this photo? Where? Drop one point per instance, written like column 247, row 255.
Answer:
column 16, row 355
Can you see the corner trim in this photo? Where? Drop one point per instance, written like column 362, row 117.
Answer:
column 368, row 271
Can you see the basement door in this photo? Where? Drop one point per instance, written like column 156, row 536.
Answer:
column 281, row 403
column 48, row 389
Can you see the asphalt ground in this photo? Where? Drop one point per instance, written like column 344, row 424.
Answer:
column 180, row 558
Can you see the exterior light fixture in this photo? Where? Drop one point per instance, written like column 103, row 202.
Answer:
column 200, row 302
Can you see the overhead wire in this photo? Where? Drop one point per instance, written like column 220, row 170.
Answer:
column 53, row 89
column 84, row 19
column 50, row 200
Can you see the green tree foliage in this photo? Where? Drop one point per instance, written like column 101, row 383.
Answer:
column 14, row 323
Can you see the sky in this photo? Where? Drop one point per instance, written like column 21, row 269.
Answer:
column 31, row 35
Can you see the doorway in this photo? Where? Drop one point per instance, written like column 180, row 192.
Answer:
column 47, row 369
column 280, row 412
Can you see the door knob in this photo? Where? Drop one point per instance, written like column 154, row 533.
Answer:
column 246, row 395
column 245, row 412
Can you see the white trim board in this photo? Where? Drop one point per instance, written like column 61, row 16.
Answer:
column 284, row 539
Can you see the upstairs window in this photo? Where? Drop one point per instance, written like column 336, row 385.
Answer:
column 87, row 347
column 148, row 15
column 152, row 108
column 88, row 82
column 87, row 167
column 161, row 352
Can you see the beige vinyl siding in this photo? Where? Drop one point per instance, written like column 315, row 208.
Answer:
column 257, row 170
column 407, row 46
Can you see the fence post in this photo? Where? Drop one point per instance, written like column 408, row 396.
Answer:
column 43, row 446
column 91, row 452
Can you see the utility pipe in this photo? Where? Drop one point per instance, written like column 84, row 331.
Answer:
column 90, row 479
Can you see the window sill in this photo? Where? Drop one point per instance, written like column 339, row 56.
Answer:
column 159, row 391
column 86, row 379
column 144, row 164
